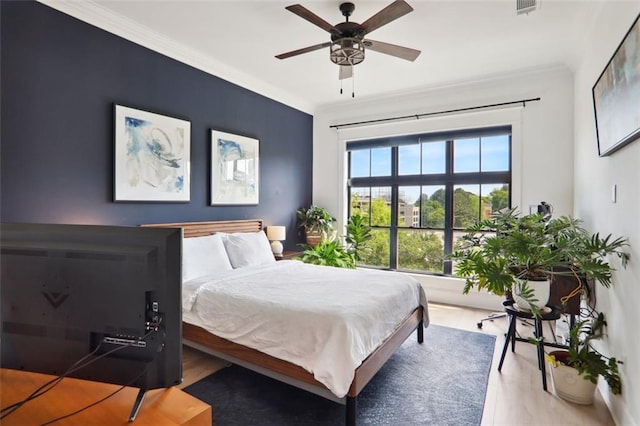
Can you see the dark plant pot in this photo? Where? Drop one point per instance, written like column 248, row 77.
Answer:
column 560, row 356
column 563, row 285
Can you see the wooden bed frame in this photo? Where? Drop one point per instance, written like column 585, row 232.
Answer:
column 201, row 339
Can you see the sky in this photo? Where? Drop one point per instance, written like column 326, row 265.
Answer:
column 470, row 155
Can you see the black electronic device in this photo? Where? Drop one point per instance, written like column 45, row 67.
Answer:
column 545, row 209
column 111, row 292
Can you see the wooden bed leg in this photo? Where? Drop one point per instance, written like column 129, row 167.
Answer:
column 352, row 406
column 420, row 332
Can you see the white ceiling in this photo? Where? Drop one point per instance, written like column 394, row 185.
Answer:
column 237, row 41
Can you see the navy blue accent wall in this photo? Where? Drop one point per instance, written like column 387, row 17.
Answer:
column 60, row 78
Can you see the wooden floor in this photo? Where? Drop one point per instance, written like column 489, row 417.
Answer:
column 514, row 396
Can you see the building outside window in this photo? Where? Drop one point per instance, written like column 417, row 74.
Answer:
column 419, row 192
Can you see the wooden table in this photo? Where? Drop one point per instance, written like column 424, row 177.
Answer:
column 160, row 406
column 288, row 255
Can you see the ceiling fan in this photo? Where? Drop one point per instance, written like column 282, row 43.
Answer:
column 348, row 43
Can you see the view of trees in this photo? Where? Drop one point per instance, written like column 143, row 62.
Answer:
column 423, row 249
column 380, row 212
column 432, row 209
column 420, row 250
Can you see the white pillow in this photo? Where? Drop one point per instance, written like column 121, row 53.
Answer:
column 203, row 256
column 222, row 235
column 248, row 249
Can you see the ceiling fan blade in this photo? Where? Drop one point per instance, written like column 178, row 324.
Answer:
column 305, row 13
column 390, row 13
column 346, row 71
column 392, row 49
column 303, row 50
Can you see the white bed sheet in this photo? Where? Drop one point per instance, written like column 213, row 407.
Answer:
column 326, row 320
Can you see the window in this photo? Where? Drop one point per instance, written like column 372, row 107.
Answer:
column 419, row 192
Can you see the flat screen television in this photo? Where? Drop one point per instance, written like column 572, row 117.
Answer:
column 110, row 292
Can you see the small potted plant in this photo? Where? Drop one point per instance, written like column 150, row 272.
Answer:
column 575, row 371
column 316, row 222
column 329, row 252
column 509, row 254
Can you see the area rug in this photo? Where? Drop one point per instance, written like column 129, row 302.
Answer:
column 440, row 382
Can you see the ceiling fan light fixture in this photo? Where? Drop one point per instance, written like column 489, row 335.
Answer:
column 347, row 51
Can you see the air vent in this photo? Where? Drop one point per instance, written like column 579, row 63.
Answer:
column 525, row 6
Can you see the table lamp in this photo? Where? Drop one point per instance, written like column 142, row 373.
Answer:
column 275, row 234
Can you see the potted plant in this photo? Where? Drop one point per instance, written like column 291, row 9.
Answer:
column 316, row 222
column 575, row 371
column 509, row 254
column 330, row 252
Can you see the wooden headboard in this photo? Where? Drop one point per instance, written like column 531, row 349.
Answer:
column 200, row 229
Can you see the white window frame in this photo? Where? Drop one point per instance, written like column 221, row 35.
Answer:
column 441, row 288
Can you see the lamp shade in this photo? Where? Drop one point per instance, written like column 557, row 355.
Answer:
column 276, row 233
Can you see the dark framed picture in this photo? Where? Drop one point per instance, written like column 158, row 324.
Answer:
column 235, row 169
column 152, row 157
column 616, row 95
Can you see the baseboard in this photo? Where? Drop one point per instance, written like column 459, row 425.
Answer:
column 448, row 290
column 616, row 405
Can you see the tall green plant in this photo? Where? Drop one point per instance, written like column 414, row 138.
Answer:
column 358, row 234
column 496, row 251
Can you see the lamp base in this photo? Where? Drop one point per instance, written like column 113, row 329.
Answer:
column 276, row 248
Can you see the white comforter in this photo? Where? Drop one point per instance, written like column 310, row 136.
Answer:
column 326, row 320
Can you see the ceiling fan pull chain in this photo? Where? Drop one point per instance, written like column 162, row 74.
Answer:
column 353, row 83
column 341, row 87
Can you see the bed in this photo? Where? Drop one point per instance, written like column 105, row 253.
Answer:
column 203, row 294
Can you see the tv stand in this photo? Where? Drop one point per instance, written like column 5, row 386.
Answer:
column 137, row 404
column 157, row 407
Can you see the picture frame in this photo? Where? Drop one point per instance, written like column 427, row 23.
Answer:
column 235, row 169
column 616, row 95
column 152, row 156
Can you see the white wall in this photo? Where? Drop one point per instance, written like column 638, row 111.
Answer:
column 542, row 145
column 594, row 177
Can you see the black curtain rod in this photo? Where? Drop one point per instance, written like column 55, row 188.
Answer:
column 428, row 114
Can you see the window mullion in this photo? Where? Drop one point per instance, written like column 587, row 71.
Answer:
column 393, row 226
column 448, row 205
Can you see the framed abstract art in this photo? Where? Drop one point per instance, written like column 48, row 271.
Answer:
column 235, row 172
column 616, row 95
column 152, row 157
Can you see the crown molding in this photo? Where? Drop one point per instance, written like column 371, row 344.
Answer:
column 542, row 71
column 98, row 16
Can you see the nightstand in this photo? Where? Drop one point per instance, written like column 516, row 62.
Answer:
column 288, row 255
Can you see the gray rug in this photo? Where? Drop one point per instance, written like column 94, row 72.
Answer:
column 441, row 382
